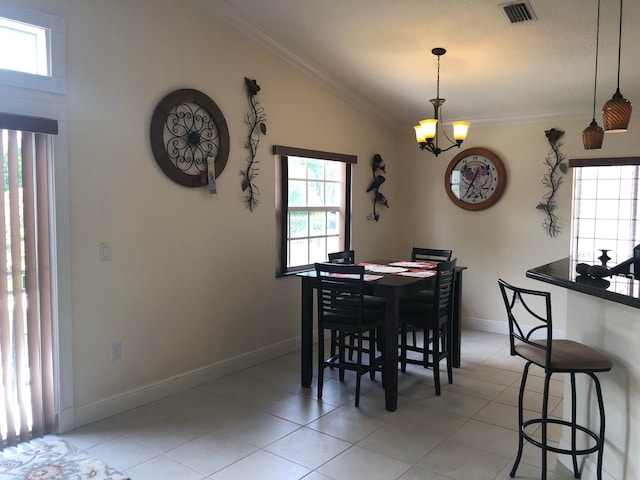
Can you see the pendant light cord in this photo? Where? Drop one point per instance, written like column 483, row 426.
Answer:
column 595, row 79
column 619, row 45
column 438, row 81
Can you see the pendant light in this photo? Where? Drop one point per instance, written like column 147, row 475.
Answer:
column 616, row 113
column 593, row 135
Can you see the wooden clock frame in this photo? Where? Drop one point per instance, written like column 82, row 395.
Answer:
column 501, row 175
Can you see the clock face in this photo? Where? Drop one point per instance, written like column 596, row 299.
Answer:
column 475, row 179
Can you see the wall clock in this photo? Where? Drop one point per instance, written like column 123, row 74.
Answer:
column 475, row 179
column 187, row 131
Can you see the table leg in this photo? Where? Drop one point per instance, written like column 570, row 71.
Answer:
column 307, row 332
column 456, row 337
column 391, row 351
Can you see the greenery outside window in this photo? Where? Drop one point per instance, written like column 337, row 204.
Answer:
column 313, row 206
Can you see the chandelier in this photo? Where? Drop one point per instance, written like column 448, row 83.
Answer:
column 427, row 130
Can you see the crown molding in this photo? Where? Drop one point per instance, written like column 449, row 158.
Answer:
column 235, row 19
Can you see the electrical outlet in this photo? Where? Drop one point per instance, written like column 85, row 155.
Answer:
column 116, row 351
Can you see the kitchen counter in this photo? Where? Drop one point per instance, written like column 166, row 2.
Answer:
column 562, row 273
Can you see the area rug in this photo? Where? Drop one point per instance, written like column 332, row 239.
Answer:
column 54, row 460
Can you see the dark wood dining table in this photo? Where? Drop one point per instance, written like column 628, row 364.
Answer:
column 391, row 287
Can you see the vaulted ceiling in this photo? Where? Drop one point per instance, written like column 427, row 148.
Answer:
column 377, row 54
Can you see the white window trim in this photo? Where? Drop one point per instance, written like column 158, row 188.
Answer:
column 56, row 82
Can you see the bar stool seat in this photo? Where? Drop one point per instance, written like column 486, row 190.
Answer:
column 530, row 337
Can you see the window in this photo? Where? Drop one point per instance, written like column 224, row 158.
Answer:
column 31, row 49
column 605, row 209
column 313, row 206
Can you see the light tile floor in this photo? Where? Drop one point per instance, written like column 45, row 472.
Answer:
column 260, row 423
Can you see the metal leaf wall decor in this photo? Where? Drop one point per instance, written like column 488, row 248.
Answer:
column 377, row 166
column 257, row 122
column 552, row 180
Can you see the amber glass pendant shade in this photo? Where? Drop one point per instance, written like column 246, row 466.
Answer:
column 592, row 136
column 616, row 113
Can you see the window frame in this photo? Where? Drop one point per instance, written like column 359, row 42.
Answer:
column 282, row 196
column 576, row 215
column 55, row 28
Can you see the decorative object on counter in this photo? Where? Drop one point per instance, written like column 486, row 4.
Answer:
column 593, row 275
column 256, row 121
column 593, row 135
column 604, row 258
column 552, row 180
column 475, row 179
column 377, row 165
column 625, row 268
column 427, row 131
column 593, row 271
column 190, row 138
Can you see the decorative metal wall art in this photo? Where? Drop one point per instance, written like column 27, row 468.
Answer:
column 377, row 165
column 552, row 180
column 256, row 121
column 190, row 138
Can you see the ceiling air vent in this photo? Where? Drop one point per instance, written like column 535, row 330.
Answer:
column 518, row 12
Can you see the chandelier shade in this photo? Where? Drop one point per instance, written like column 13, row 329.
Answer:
column 427, row 131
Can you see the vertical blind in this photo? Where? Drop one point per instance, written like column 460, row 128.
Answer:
column 26, row 358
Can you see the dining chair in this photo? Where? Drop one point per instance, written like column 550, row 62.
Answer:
column 345, row 256
column 531, row 337
column 342, row 309
column 349, row 257
column 432, row 255
column 435, row 320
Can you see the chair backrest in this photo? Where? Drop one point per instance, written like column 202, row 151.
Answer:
column 443, row 290
column 530, row 323
column 346, row 256
column 340, row 293
column 430, row 255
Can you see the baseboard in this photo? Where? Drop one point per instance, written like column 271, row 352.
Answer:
column 589, row 470
column 151, row 392
column 494, row 326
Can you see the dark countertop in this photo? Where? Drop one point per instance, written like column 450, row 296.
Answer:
column 562, row 273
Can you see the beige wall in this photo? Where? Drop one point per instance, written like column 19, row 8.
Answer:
column 191, row 281
column 507, row 239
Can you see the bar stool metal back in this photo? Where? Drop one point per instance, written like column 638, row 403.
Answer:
column 531, row 337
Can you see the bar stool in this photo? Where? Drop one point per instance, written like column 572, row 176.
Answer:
column 530, row 337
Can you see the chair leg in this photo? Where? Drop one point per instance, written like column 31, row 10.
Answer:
column 520, row 420
column 359, row 368
column 602, row 424
column 403, row 348
column 574, row 430
column 334, row 341
column 351, row 345
column 372, row 353
column 545, row 412
column 320, row 359
column 435, row 355
column 341, row 355
column 447, row 348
